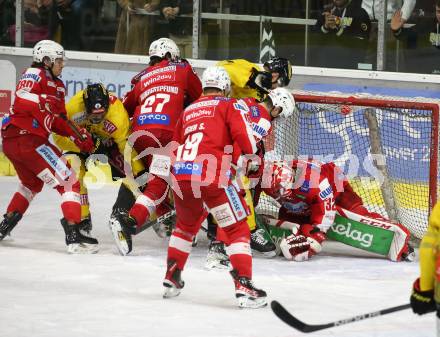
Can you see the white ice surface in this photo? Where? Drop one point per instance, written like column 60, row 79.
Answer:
column 46, row 292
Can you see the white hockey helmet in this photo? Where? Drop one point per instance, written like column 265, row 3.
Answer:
column 47, row 48
column 282, row 98
column 163, row 46
column 216, row 77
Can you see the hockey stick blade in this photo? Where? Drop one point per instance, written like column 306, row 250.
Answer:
column 160, row 219
column 287, row 318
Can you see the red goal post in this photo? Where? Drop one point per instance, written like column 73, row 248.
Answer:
column 388, row 147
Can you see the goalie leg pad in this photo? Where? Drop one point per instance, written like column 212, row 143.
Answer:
column 395, row 245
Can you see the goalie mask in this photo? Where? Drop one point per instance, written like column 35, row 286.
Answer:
column 96, row 100
column 282, row 176
column 281, row 66
column 163, row 46
column 283, row 99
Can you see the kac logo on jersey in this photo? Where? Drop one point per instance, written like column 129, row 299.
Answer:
column 189, row 167
column 153, row 119
column 255, row 111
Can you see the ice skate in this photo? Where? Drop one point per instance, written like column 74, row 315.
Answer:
column 247, row 295
column 85, row 226
column 76, row 242
column 409, row 255
column 122, row 227
column 262, row 243
column 217, row 257
column 172, row 283
column 8, row 224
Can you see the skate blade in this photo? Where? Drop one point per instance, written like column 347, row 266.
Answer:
column 251, row 303
column 119, row 237
column 209, row 265
column 410, row 257
column 82, row 248
column 169, row 290
column 6, row 238
column 267, row 255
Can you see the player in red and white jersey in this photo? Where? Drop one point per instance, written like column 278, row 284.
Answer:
column 156, row 102
column 38, row 110
column 279, row 103
column 310, row 194
column 207, row 131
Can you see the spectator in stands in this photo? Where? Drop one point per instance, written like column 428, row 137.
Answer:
column 75, row 21
column 373, row 8
column 343, row 30
column 421, row 41
column 141, row 29
column 7, row 19
column 178, row 28
column 36, row 22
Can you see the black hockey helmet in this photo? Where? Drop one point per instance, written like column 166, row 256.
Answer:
column 281, row 66
column 96, row 100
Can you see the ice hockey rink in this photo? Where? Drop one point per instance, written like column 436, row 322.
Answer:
column 46, row 292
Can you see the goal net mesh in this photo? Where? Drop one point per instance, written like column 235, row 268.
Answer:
column 386, row 146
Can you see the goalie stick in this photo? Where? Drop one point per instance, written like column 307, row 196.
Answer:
column 294, row 322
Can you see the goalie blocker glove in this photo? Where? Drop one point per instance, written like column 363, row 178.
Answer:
column 422, row 302
column 299, row 248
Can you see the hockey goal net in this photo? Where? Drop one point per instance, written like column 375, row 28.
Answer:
column 387, row 146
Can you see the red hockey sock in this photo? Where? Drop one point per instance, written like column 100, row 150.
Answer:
column 71, row 207
column 179, row 248
column 21, row 200
column 18, row 203
column 238, row 248
column 242, row 263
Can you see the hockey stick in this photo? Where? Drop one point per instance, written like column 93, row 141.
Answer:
column 159, row 220
column 287, row 318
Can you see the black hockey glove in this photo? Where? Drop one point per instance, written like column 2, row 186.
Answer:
column 422, row 302
column 261, row 81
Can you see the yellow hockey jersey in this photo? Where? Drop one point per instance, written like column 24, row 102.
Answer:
column 240, row 71
column 429, row 249
column 115, row 125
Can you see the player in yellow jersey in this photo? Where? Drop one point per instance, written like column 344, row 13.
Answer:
column 250, row 80
column 105, row 117
column 425, row 296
